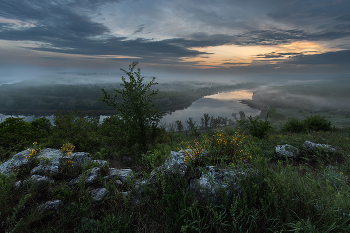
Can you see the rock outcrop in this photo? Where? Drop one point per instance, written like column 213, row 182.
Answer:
column 293, row 152
column 205, row 183
column 314, row 146
column 286, row 150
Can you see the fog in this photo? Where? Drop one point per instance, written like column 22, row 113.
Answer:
column 72, row 76
column 322, row 94
column 312, row 92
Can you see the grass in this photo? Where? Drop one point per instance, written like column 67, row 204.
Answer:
column 308, row 194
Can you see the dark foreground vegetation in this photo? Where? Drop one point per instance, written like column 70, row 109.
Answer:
column 307, row 194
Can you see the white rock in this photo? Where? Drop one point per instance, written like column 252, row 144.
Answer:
column 287, row 150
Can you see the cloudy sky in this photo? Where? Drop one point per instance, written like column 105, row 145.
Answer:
column 227, row 37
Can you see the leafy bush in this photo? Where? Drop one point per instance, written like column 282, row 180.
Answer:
column 109, row 224
column 317, row 123
column 140, row 117
column 257, row 128
column 294, row 125
column 157, row 156
column 114, row 135
column 17, row 134
column 310, row 123
column 77, row 129
column 191, row 125
column 220, row 148
column 179, row 125
column 42, row 126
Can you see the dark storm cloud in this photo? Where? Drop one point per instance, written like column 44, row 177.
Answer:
column 141, row 27
column 64, row 41
column 269, row 55
column 62, row 30
column 119, row 46
column 276, row 55
column 54, row 58
column 336, row 58
column 235, row 63
column 49, row 19
column 46, row 10
column 260, row 37
column 345, row 17
column 301, row 11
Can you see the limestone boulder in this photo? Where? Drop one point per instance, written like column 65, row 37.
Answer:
column 50, row 205
column 287, row 150
column 99, row 194
column 91, row 176
column 121, row 174
column 214, row 183
column 41, row 181
column 50, row 160
column 314, row 146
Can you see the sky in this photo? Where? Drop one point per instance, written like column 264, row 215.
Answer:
column 177, row 37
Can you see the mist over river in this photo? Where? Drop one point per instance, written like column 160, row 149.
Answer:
column 222, row 104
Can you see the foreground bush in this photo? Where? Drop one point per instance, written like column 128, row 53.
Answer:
column 218, row 148
column 75, row 128
column 139, row 115
column 310, row 123
column 317, row 123
column 17, row 134
column 293, row 125
column 256, row 127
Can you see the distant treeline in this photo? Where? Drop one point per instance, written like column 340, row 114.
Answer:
column 30, row 99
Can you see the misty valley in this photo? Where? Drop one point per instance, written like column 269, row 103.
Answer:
column 181, row 100
column 174, row 99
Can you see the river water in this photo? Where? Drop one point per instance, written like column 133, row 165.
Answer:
column 221, row 104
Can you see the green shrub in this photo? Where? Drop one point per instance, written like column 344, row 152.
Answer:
column 114, row 135
column 294, row 125
column 139, row 114
column 109, row 224
column 310, row 123
column 191, row 125
column 42, row 126
column 219, row 147
column 17, row 134
column 317, row 123
column 257, row 128
column 157, row 156
column 75, row 128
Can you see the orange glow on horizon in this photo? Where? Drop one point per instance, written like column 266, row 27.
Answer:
column 234, row 55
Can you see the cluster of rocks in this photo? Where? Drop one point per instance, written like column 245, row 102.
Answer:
column 293, row 152
column 206, row 183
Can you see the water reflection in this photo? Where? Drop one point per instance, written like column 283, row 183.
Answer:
column 221, row 104
column 233, row 95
